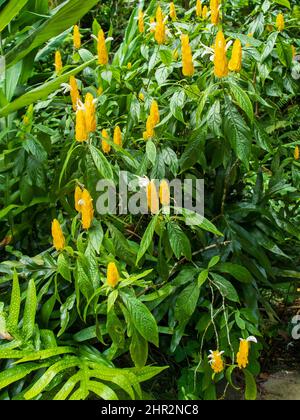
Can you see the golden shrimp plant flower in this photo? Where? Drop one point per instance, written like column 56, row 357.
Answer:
column 220, row 60
column 141, row 23
column 280, row 24
column 80, row 129
column 243, row 353
column 215, row 11
column 58, row 62
column 198, row 8
column 154, row 113
column 152, row 198
column 102, row 50
column 113, row 276
column 74, row 92
column 160, row 28
column 216, row 361
column 235, row 64
column 58, row 236
column 188, row 68
column 173, row 14
column 118, row 136
column 77, row 198
column 106, row 147
column 86, row 209
column 205, row 12
column 164, row 193
column 76, row 37
column 90, row 113
column 297, row 153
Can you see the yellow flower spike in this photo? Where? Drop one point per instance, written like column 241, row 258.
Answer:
column 216, row 361
column 188, row 68
column 199, row 8
column 141, row 23
column 87, row 209
column 204, row 12
column 235, row 64
column 58, row 62
column 149, row 133
column 243, row 354
column 164, row 193
column 81, row 131
column 141, row 97
column 129, row 66
column 90, row 113
column 160, row 29
column 74, row 92
column 118, row 136
column 154, row 113
column 76, row 37
column 280, row 25
column 106, row 147
column 77, row 198
column 58, row 236
column 113, row 276
column 173, row 14
column 220, row 61
column 215, row 13
column 152, row 198
column 297, row 153
column 102, row 50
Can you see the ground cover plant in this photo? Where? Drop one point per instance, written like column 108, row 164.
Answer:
column 164, row 305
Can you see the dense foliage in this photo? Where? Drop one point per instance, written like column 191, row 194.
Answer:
column 120, row 299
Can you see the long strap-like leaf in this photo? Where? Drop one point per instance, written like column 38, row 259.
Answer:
column 10, row 11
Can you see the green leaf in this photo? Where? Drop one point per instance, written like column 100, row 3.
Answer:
column 138, row 350
column 225, row 288
column 237, row 271
column 41, row 92
column 101, row 163
column 29, row 311
column 11, row 10
column 15, row 304
column 177, row 104
column 285, row 3
column 151, row 151
column 271, row 41
column 142, row 319
column 63, row 267
column 203, row 276
column 243, row 100
column 194, row 219
column 147, row 238
column 46, row 354
column 103, row 391
column 64, row 18
column 238, row 133
column 14, row 374
column 186, row 302
column 179, row 242
column 251, row 388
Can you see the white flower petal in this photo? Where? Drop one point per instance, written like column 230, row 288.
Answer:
column 252, row 339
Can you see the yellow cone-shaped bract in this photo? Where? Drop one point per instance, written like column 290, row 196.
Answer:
column 188, row 68
column 74, row 92
column 58, row 62
column 141, row 23
column 204, row 12
column 106, row 147
column 297, row 153
column 160, row 29
column 77, row 198
column 164, row 193
column 118, row 136
column 216, row 362
column 243, row 354
column 76, row 37
column 102, row 50
column 113, row 276
column 152, row 198
column 173, row 14
column 58, row 236
column 198, row 8
column 280, row 25
column 235, row 63
column 81, row 131
column 90, row 113
column 215, row 13
column 87, row 209
column 220, row 61
column 154, row 112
